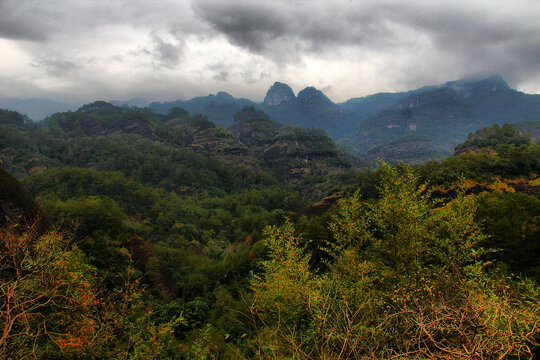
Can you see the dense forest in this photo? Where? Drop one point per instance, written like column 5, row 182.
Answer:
column 127, row 234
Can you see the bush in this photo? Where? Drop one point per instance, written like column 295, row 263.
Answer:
column 407, row 281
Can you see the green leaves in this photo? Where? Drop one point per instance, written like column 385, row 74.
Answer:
column 407, row 278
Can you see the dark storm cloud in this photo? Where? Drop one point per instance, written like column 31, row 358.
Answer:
column 10, row 29
column 310, row 26
column 38, row 20
column 474, row 37
column 248, row 25
column 19, row 21
column 481, row 41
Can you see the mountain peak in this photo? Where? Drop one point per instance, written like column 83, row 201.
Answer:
column 222, row 95
column 492, row 83
column 311, row 95
column 278, row 93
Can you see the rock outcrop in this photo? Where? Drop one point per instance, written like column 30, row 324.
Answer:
column 278, row 93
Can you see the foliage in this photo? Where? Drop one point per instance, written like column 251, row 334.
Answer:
column 52, row 306
column 167, row 215
column 513, row 222
column 407, row 280
column 12, row 117
column 494, row 136
column 508, row 161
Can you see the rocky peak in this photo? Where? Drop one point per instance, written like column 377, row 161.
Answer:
column 311, row 96
column 223, row 96
column 278, row 93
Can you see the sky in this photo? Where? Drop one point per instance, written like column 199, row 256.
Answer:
column 85, row 50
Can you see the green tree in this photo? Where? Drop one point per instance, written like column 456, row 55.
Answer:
column 513, row 222
column 52, row 305
column 407, row 281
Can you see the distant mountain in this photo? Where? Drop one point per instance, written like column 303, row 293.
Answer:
column 359, row 109
column 279, row 93
column 101, row 118
column 137, row 102
column 445, row 114
column 292, row 152
column 416, row 125
column 254, row 141
column 219, row 108
column 311, row 108
column 36, row 109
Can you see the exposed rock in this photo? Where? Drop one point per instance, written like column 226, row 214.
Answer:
column 253, row 126
column 278, row 93
column 412, row 152
column 447, row 113
column 136, row 126
column 293, row 153
column 310, row 109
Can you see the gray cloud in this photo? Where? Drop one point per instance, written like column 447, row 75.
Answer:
column 360, row 46
column 474, row 37
column 246, row 24
column 56, row 67
column 19, row 21
column 307, row 26
column 167, row 53
column 219, row 71
column 13, row 29
column 38, row 20
column 251, row 72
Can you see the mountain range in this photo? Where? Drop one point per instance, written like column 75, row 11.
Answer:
column 414, row 126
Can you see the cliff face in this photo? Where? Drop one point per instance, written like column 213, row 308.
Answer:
column 277, row 94
column 204, row 137
column 310, row 109
column 253, row 127
column 293, row 153
column 444, row 115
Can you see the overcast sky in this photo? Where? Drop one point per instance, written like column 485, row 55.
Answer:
column 83, row 50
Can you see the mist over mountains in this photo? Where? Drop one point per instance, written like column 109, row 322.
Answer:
column 36, row 109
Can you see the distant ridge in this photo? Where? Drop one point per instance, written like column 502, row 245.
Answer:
column 489, row 100
column 440, row 115
column 219, row 108
column 36, row 109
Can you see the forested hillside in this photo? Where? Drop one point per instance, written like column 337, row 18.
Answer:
column 414, row 126
column 167, row 236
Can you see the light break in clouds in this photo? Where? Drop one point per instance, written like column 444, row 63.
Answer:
column 82, row 50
